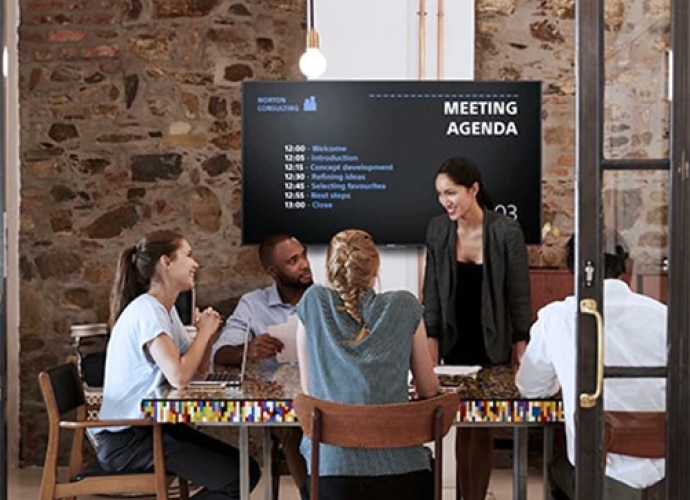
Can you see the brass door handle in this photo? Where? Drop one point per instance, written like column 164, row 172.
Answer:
column 588, row 400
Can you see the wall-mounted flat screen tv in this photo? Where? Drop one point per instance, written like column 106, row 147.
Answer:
column 322, row 156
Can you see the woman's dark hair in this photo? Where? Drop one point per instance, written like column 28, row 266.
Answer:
column 465, row 173
column 137, row 266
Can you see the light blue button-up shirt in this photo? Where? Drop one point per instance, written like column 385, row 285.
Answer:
column 258, row 309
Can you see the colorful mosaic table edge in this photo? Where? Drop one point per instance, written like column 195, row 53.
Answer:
column 281, row 411
column 518, row 411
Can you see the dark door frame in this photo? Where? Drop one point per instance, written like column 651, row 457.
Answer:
column 678, row 403
column 3, row 271
column 590, row 165
column 589, row 77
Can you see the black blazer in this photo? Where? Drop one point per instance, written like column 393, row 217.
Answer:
column 506, row 311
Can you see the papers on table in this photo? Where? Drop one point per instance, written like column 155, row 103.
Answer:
column 456, row 375
column 457, row 370
column 287, row 334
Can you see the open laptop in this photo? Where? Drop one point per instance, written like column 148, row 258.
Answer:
column 226, row 379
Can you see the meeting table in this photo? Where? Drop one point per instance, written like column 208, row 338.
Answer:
column 264, row 400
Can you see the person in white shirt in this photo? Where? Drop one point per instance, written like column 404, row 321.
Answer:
column 149, row 345
column 635, row 335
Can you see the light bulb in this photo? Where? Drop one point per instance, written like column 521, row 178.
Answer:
column 313, row 63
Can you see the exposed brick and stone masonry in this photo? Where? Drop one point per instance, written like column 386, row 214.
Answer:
column 130, row 121
column 527, row 40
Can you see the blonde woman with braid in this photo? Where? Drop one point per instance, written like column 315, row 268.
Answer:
column 356, row 346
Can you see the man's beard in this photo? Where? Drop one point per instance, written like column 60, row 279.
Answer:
column 294, row 283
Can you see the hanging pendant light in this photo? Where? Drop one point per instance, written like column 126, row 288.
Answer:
column 312, row 63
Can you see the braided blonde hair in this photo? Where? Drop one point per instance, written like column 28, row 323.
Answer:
column 352, row 263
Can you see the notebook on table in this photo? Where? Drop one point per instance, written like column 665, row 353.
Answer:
column 226, row 379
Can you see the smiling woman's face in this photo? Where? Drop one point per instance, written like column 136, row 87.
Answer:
column 456, row 199
column 183, row 266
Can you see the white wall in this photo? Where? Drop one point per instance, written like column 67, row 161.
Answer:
column 366, row 40
column 11, row 152
column 378, row 40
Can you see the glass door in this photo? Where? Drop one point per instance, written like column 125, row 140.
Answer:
column 632, row 177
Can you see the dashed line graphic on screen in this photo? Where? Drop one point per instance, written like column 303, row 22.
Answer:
column 441, row 95
column 480, row 114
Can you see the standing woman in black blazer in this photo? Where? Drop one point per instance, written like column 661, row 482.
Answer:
column 476, row 298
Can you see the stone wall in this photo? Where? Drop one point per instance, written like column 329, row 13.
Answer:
column 528, row 40
column 130, row 121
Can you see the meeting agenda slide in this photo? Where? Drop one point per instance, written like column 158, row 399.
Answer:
column 322, row 156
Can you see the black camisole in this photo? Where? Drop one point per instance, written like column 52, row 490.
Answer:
column 469, row 349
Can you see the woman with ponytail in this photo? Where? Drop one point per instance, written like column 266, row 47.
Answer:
column 476, row 298
column 356, row 346
column 149, row 345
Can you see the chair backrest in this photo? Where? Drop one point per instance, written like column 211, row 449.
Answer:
column 90, row 342
column 62, row 390
column 387, row 426
column 185, row 304
column 640, row 434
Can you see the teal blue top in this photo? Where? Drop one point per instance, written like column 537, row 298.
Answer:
column 372, row 371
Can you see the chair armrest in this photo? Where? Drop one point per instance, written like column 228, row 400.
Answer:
column 134, row 422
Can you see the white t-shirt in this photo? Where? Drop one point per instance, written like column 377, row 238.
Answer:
column 634, row 335
column 130, row 373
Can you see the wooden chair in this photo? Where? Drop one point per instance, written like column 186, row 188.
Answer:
column 63, row 392
column 640, row 434
column 387, row 426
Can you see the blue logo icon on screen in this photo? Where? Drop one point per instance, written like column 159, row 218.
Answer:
column 309, row 104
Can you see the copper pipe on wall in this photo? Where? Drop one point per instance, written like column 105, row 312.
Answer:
column 440, row 16
column 421, row 45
